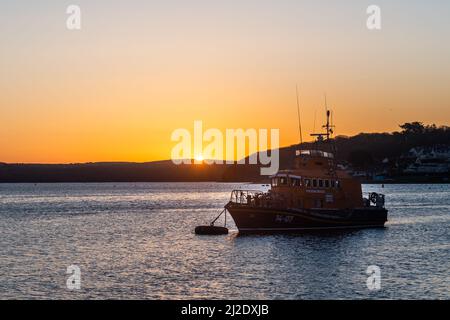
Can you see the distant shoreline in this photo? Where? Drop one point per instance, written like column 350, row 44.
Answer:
column 431, row 182
column 164, row 171
column 377, row 158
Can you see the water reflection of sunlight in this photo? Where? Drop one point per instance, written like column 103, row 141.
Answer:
column 418, row 219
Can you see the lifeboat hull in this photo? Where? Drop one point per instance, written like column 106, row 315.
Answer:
column 249, row 219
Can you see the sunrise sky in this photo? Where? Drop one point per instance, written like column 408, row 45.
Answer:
column 137, row 70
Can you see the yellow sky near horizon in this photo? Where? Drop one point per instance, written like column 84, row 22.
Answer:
column 116, row 90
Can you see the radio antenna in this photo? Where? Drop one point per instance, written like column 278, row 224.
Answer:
column 298, row 114
column 329, row 125
column 332, row 125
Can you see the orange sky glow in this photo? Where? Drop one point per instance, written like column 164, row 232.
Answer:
column 116, row 89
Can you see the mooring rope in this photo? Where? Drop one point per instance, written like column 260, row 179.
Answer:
column 224, row 210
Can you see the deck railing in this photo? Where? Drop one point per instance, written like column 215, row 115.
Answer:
column 245, row 196
column 259, row 198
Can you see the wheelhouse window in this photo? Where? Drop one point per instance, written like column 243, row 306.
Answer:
column 320, row 183
column 308, row 182
column 333, row 183
column 314, row 183
column 274, row 182
column 283, row 181
column 327, row 183
column 338, row 184
column 295, row 182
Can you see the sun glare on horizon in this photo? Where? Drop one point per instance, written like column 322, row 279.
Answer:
column 199, row 158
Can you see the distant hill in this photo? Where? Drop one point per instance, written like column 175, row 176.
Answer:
column 164, row 171
column 363, row 151
column 368, row 149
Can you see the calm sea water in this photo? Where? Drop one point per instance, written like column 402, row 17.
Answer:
column 136, row 240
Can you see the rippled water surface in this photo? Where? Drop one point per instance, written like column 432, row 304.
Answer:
column 135, row 240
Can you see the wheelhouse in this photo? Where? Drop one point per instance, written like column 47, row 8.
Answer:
column 297, row 181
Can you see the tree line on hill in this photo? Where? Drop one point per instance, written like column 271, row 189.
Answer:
column 367, row 149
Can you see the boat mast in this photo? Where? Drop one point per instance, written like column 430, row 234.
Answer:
column 328, row 126
column 298, row 114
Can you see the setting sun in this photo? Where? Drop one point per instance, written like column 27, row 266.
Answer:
column 199, row 158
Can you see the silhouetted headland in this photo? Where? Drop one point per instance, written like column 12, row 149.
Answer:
column 417, row 153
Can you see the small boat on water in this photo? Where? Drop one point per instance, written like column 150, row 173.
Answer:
column 317, row 194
